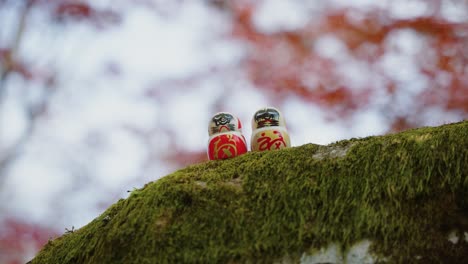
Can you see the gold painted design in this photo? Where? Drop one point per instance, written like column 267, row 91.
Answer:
column 225, row 146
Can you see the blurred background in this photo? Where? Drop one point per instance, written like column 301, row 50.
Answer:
column 99, row 97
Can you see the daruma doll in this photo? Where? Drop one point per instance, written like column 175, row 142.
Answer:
column 226, row 139
column 269, row 130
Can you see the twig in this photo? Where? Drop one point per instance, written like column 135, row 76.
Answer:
column 11, row 153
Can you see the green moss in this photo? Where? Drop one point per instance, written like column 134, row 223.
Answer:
column 405, row 192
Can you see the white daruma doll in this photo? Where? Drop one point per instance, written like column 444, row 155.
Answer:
column 226, row 139
column 269, row 130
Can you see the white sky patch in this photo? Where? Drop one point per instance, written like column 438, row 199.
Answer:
column 307, row 123
column 187, row 114
column 8, row 14
column 108, row 107
column 362, row 4
column 278, row 15
column 82, row 207
column 408, row 9
column 437, row 116
column 164, row 47
column 158, row 47
column 12, row 119
column 399, row 62
column 455, row 11
column 356, row 72
column 53, row 181
column 46, row 179
column 120, row 160
column 399, row 67
column 34, row 188
column 329, row 46
column 223, row 52
column 405, row 53
column 367, row 122
column 406, row 41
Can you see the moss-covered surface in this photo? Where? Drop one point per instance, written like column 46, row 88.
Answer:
column 405, row 192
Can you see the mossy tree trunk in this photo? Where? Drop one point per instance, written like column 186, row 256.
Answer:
column 406, row 193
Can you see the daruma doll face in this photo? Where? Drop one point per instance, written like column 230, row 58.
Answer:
column 267, row 117
column 224, row 122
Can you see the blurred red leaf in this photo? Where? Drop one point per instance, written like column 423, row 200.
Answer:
column 401, row 123
column 5, row 53
column 23, row 70
column 17, row 238
column 74, row 9
column 81, row 11
column 11, row 65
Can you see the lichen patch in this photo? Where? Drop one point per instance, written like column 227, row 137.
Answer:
column 202, row 184
column 334, row 151
column 423, row 137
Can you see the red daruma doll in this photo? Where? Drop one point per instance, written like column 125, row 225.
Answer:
column 269, row 130
column 226, row 139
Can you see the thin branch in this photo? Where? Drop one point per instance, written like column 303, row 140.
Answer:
column 6, row 68
column 12, row 152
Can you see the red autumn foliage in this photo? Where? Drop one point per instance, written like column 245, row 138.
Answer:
column 74, row 9
column 4, row 55
column 269, row 70
column 18, row 237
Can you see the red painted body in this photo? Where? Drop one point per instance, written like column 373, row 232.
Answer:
column 226, row 145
